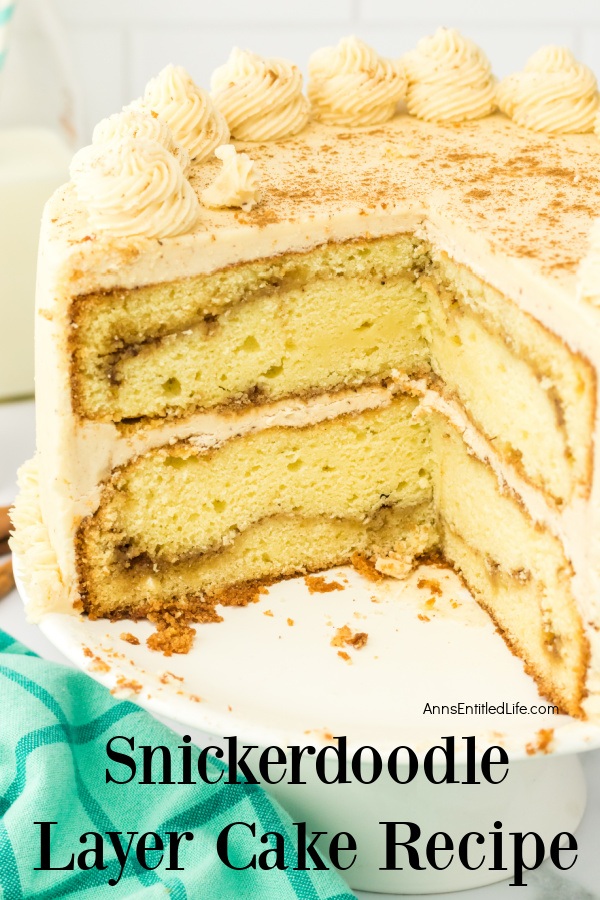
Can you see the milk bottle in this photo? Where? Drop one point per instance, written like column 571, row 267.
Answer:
column 37, row 102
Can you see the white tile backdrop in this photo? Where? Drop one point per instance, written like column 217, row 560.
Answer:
column 118, row 44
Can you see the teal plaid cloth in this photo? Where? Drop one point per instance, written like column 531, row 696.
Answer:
column 54, row 725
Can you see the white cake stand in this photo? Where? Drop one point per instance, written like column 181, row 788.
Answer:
column 269, row 675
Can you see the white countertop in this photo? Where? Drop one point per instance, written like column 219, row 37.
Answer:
column 580, row 883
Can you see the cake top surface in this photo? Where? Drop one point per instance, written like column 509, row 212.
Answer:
column 183, row 181
column 530, row 196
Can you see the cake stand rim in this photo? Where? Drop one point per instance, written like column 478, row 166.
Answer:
column 572, row 737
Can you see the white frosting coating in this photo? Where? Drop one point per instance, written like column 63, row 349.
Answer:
column 77, row 457
column 588, row 276
column 449, row 79
column 261, row 98
column 137, row 121
column 554, row 93
column 236, row 184
column 134, row 187
column 40, row 572
column 352, row 85
column 188, row 111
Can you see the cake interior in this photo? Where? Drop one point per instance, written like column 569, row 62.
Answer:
column 186, row 526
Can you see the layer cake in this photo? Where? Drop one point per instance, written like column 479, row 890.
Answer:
column 365, row 328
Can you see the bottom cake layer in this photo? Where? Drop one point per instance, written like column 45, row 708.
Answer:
column 184, row 528
column 514, row 568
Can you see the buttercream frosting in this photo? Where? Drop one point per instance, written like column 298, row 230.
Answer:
column 554, row 93
column 449, row 79
column 134, row 187
column 454, row 187
column 352, row 85
column 261, row 99
column 138, row 122
column 188, row 111
column 236, row 184
column 588, row 277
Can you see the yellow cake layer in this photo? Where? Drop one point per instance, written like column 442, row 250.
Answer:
column 329, row 333
column 341, row 315
column 279, row 546
column 176, row 500
column 520, row 384
column 180, row 526
column 164, row 323
column 515, row 568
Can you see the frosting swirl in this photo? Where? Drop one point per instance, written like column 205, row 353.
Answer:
column 449, row 79
column 188, row 111
column 138, row 122
column 132, row 187
column 352, row 85
column 553, row 94
column 261, row 99
column 236, row 183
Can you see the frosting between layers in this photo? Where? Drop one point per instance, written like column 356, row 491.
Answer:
column 261, row 99
column 352, row 85
column 449, row 79
column 188, row 111
column 555, row 94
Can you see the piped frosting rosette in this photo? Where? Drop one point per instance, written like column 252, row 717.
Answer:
column 139, row 122
column 449, row 79
column 554, row 93
column 352, row 85
column 261, row 99
column 188, row 111
column 134, row 187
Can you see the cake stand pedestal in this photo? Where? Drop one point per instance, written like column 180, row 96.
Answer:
column 432, row 661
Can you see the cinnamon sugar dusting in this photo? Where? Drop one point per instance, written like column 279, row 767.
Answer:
column 490, row 177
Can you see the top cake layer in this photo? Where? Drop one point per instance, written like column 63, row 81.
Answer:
column 493, row 188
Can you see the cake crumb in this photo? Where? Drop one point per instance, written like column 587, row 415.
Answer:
column 165, row 678
column 98, row 665
column 429, row 604
column 344, row 656
column 124, row 685
column 290, row 621
column 430, row 584
column 268, row 612
column 545, row 736
column 316, row 584
column 172, row 635
column 130, row 638
column 423, row 618
column 366, row 567
column 344, row 636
